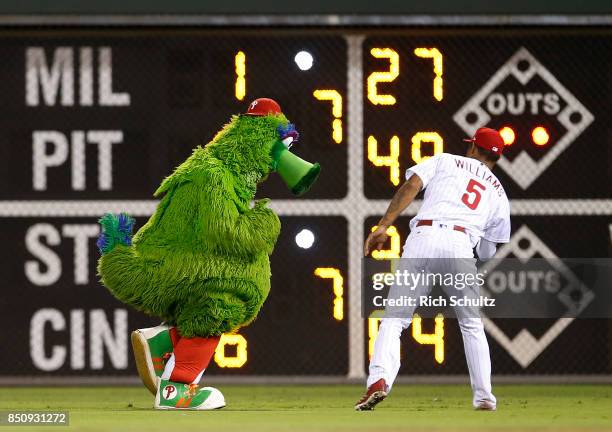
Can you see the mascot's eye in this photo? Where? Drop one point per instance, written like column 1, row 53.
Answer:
column 288, row 134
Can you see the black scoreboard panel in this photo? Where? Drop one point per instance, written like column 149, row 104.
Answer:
column 558, row 73
column 58, row 318
column 156, row 94
column 419, row 356
column 102, row 115
column 305, row 320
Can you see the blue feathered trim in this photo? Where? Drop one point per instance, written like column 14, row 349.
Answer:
column 115, row 230
column 288, row 131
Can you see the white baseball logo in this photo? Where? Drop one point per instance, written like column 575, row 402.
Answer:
column 252, row 105
column 169, row 392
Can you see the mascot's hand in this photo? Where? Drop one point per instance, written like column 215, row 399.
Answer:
column 262, row 203
column 269, row 221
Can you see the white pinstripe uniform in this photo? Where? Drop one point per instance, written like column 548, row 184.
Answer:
column 459, row 191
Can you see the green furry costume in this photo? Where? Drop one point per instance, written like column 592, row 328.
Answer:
column 201, row 261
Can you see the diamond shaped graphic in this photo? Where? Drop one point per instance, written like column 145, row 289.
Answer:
column 524, row 347
column 524, row 170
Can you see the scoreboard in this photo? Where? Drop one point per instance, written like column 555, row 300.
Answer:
column 93, row 119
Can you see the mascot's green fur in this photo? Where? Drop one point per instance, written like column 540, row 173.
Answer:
column 201, row 261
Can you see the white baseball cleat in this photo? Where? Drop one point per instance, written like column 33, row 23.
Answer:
column 485, row 406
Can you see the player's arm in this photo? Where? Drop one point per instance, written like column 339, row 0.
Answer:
column 402, row 199
column 486, row 249
column 497, row 232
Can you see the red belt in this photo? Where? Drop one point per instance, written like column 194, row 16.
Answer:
column 429, row 222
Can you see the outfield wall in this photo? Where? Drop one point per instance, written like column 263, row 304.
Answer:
column 98, row 110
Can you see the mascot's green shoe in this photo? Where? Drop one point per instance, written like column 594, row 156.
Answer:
column 151, row 347
column 179, row 396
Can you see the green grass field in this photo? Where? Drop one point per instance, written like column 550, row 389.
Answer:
column 324, row 408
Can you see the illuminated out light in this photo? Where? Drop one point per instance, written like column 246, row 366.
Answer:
column 304, row 60
column 391, row 161
column 436, row 56
column 394, row 249
column 305, row 239
column 338, row 286
column 336, row 99
column 429, row 137
column 241, row 351
column 540, row 136
column 436, row 338
column 508, row 135
column 240, row 63
column 385, row 77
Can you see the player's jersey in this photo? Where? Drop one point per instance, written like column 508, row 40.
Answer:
column 463, row 191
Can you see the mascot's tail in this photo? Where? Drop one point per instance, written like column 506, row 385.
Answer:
column 116, row 230
column 121, row 268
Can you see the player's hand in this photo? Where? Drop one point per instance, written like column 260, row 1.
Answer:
column 375, row 240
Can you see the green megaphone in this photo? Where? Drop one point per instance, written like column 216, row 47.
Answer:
column 298, row 174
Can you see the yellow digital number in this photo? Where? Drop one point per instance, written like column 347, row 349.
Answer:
column 436, row 56
column 391, row 161
column 373, row 324
column 336, row 100
column 392, row 252
column 394, row 249
column 436, row 338
column 241, row 351
column 240, row 64
column 385, row 77
column 429, row 137
column 338, row 286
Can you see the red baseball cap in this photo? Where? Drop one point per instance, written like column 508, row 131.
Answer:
column 263, row 107
column 488, row 139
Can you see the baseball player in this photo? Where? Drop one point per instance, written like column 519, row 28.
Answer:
column 464, row 207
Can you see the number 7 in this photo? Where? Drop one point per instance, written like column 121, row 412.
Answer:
column 436, row 55
column 472, row 188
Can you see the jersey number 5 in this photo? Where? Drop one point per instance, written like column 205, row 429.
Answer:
column 472, row 196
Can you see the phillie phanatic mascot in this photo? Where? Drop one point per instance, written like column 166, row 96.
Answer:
column 201, row 262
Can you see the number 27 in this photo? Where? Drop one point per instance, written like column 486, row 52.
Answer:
column 472, row 193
